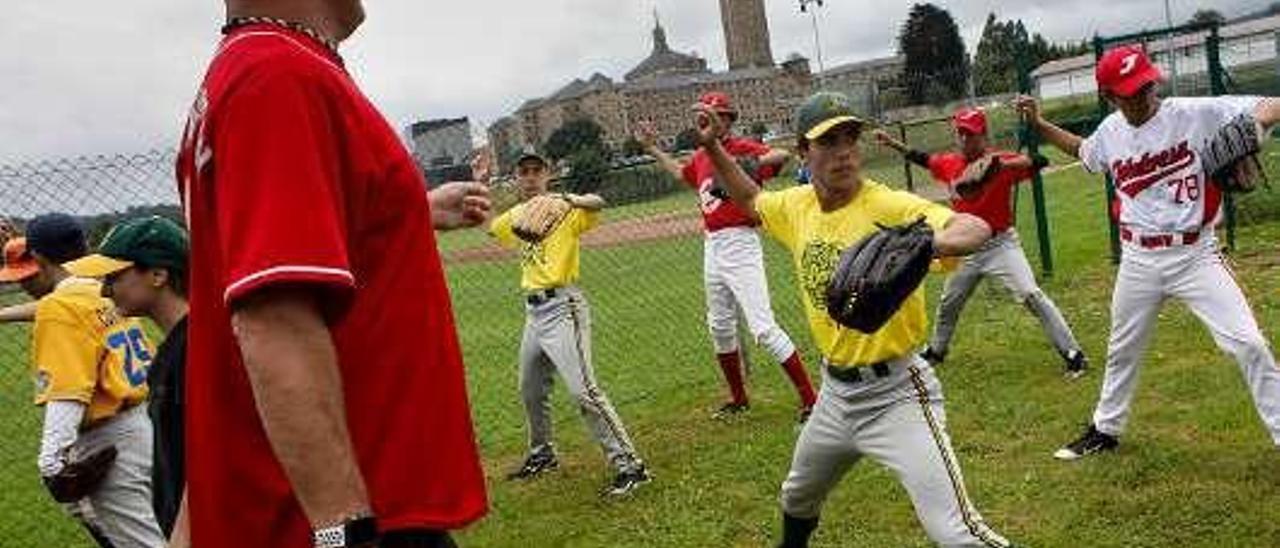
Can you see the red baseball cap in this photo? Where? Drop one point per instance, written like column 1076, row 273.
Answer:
column 719, row 102
column 970, row 120
column 1124, row 70
column 19, row 264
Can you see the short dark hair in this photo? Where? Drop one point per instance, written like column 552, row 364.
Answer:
column 177, row 277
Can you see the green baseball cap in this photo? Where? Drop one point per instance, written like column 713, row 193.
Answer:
column 823, row 111
column 149, row 241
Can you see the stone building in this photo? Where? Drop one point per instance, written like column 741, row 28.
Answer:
column 746, row 34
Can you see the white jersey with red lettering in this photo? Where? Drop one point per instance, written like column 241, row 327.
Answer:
column 1168, row 210
column 1156, row 167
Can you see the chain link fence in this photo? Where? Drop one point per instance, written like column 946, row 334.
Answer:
column 642, row 271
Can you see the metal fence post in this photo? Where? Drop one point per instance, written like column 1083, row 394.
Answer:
column 1030, row 141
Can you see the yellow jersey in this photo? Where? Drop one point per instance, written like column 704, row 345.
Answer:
column 81, row 350
column 816, row 238
column 553, row 262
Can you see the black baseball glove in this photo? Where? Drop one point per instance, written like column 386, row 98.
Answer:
column 1230, row 157
column 875, row 275
column 81, row 477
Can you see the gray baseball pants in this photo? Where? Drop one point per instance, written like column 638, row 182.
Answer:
column 120, row 509
column 557, row 341
column 898, row 421
column 1001, row 258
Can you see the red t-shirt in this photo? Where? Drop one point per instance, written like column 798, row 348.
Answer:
column 718, row 211
column 289, row 175
column 994, row 203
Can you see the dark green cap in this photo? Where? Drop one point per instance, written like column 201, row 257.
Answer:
column 823, row 111
column 149, row 241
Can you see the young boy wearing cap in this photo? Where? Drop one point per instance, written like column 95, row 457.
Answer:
column 878, row 399
column 1151, row 147
column 557, row 333
column 733, row 261
column 143, row 267
column 90, row 368
column 1002, row 256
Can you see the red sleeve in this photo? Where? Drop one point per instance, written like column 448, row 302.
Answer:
column 1016, row 175
column 690, row 171
column 277, row 189
column 941, row 167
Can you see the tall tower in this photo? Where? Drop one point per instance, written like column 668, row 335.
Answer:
column 746, row 34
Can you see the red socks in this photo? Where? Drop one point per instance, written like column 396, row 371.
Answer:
column 731, row 365
column 800, row 378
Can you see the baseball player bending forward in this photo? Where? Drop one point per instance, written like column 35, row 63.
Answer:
column 1153, row 149
column 1001, row 257
column 878, row 399
column 733, row 262
column 557, row 332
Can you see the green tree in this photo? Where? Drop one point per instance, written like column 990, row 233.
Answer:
column 687, row 140
column 1207, row 16
column 578, row 142
column 574, row 135
column 632, row 147
column 936, row 67
column 758, row 129
column 996, row 62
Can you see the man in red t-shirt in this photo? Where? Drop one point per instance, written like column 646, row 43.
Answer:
column 733, row 261
column 327, row 403
column 1002, row 256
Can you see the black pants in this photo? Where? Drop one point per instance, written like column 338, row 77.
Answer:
column 417, row 538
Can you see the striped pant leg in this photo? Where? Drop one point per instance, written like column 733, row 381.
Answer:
column 911, row 440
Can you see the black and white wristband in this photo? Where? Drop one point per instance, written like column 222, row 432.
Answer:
column 354, row 531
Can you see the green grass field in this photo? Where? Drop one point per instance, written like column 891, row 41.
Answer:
column 1196, row 469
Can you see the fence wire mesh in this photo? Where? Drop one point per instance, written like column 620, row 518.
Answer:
column 641, row 270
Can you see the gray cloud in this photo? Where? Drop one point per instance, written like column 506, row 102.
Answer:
column 103, row 77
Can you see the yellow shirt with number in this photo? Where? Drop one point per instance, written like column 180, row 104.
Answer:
column 81, row 350
column 816, row 238
column 553, row 262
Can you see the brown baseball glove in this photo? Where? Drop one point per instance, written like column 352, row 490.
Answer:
column 976, row 175
column 81, row 477
column 539, row 216
column 1230, row 157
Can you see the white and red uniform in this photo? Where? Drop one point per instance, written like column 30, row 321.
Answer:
column 290, row 177
column 1167, row 215
column 733, row 270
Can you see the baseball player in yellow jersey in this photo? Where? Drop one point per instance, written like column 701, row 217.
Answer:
column 90, row 368
column 879, row 399
column 557, row 333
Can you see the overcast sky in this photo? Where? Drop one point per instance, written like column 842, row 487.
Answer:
column 89, row 77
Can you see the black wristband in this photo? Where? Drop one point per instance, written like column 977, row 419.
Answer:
column 1038, row 161
column 917, row 157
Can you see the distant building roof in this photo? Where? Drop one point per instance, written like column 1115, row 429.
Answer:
column 1238, row 28
column 663, row 61
column 863, row 66
column 427, row 126
column 681, row 80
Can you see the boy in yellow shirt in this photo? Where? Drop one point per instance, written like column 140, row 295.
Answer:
column 879, row 399
column 90, row 368
column 557, row 333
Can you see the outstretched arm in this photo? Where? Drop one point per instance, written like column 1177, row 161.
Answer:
column 589, row 202
column 1267, row 112
column 742, row 189
column 962, row 235
column 1062, row 139
column 912, row 155
column 24, row 312
column 647, row 134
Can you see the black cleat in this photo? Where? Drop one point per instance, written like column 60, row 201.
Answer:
column 1076, row 366
column 932, row 357
column 803, row 416
column 1091, row 442
column 626, row 482
column 731, row 409
column 542, row 459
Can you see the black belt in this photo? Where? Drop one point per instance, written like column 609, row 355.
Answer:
column 854, row 374
column 541, row 296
